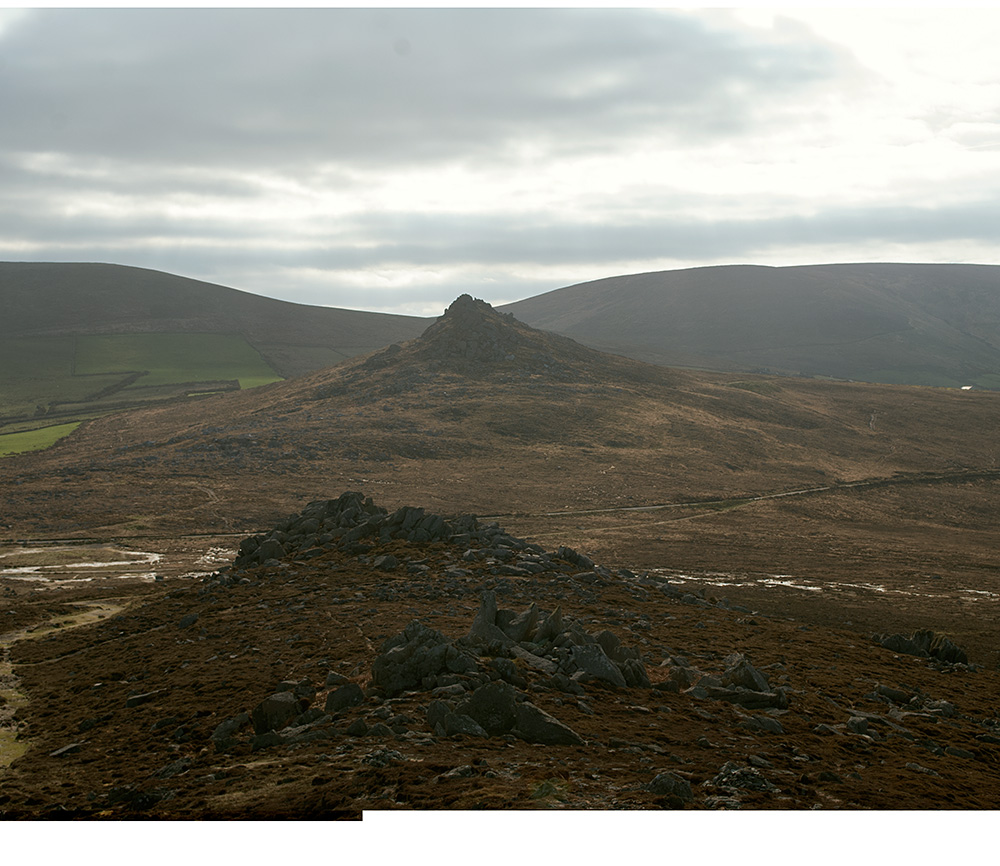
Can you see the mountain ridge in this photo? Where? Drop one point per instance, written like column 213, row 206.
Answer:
column 880, row 322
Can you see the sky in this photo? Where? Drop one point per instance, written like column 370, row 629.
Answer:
column 391, row 159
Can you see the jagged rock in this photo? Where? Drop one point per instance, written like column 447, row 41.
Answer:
column 275, row 712
column 458, row 723
column 534, row 725
column 592, row 661
column 533, row 661
column 417, row 654
column 634, row 672
column 437, row 711
column 266, row 740
column 739, row 672
column 549, row 627
column 223, row 735
column 924, row 643
column 897, row 695
column 508, row 672
column 484, row 630
column 349, row 695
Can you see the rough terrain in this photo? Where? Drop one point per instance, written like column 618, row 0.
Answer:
column 727, row 547
column 474, row 670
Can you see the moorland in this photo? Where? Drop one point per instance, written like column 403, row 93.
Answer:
column 730, row 541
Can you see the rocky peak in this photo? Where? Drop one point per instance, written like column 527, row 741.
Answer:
column 472, row 331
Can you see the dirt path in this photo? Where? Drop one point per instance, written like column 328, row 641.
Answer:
column 11, row 697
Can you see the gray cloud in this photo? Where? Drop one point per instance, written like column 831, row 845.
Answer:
column 241, row 86
column 130, row 134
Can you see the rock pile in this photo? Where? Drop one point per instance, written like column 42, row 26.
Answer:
column 477, row 684
column 353, row 523
column 925, row 644
column 472, row 331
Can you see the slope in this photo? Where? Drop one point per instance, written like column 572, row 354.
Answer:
column 845, row 502
column 895, row 323
column 81, row 339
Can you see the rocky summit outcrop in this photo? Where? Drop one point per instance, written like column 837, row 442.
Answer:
column 471, row 331
column 474, row 340
column 353, row 523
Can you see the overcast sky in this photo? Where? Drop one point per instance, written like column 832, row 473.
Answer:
column 391, row 159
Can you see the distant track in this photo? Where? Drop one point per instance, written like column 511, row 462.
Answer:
column 733, row 501
column 737, row 501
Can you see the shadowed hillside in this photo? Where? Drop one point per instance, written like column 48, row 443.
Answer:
column 51, row 300
column 80, row 340
column 894, row 323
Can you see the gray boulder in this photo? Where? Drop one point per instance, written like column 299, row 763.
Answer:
column 535, row 662
column 739, row 672
column 671, row 785
column 493, row 706
column 458, row 723
column 273, row 713
column 534, row 725
column 596, row 665
column 523, row 625
column 415, row 657
column 484, row 630
column 349, row 695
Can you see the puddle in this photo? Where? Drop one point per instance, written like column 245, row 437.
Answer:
column 62, row 565
column 759, row 579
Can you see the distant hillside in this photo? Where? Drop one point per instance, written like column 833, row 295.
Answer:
column 81, row 340
column 54, row 299
column 891, row 323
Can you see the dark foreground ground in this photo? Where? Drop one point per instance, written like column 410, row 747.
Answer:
column 121, row 715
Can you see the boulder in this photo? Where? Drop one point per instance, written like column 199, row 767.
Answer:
column 457, row 723
column 739, row 672
column 595, row 664
column 670, row 785
column 534, row 725
column 484, row 630
column 416, row 655
column 349, row 695
column 493, row 706
column 275, row 712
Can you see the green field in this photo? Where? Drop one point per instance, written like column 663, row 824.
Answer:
column 34, row 440
column 48, row 380
column 169, row 359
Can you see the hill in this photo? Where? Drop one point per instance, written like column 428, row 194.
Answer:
column 893, row 323
column 679, row 608
column 863, row 485
column 78, row 340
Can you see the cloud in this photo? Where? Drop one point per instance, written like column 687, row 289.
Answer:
column 393, row 158
column 230, row 87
